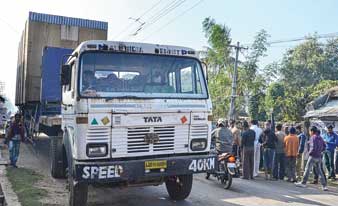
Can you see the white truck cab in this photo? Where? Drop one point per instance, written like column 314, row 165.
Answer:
column 133, row 114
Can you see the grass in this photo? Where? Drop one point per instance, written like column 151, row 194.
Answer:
column 23, row 182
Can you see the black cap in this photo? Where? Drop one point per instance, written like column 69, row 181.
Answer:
column 292, row 130
column 313, row 129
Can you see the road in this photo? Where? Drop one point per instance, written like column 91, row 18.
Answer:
column 205, row 192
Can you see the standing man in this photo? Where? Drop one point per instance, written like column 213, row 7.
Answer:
column 268, row 141
column 279, row 162
column 15, row 136
column 257, row 146
column 316, row 147
column 291, row 144
column 247, row 145
column 223, row 138
column 236, row 133
column 331, row 140
column 302, row 139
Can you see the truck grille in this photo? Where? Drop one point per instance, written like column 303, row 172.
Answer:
column 199, row 131
column 136, row 142
column 98, row 133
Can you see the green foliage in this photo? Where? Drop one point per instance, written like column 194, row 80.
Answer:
column 305, row 72
column 23, row 182
column 320, row 88
column 275, row 99
column 285, row 86
column 220, row 62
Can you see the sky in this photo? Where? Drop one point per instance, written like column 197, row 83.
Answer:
column 282, row 19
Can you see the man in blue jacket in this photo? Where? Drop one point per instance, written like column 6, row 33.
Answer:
column 331, row 140
column 302, row 139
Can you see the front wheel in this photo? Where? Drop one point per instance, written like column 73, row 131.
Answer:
column 78, row 193
column 227, row 181
column 57, row 166
column 179, row 187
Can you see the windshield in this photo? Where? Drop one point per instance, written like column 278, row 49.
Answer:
column 139, row 75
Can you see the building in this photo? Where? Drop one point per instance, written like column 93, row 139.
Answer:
column 323, row 111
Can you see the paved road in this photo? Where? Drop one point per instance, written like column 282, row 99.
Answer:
column 205, row 192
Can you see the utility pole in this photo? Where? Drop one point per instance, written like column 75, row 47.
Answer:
column 232, row 112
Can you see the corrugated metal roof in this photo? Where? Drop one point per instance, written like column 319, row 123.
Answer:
column 330, row 109
column 62, row 20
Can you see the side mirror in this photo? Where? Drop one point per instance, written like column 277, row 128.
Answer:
column 205, row 70
column 65, row 74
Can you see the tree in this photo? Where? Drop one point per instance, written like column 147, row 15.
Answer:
column 252, row 83
column 274, row 99
column 305, row 71
column 218, row 60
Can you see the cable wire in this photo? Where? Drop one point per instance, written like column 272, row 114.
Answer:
column 160, row 15
column 173, row 19
column 142, row 15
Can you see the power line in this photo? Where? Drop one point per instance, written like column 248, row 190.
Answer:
column 320, row 36
column 161, row 14
column 10, row 26
column 142, row 15
column 162, row 11
column 173, row 19
column 158, row 12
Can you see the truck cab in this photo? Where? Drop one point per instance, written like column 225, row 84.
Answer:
column 132, row 114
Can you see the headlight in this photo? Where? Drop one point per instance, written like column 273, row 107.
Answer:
column 198, row 144
column 97, row 150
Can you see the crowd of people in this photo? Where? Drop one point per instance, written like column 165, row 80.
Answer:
column 283, row 152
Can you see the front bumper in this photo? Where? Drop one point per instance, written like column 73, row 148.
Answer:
column 133, row 170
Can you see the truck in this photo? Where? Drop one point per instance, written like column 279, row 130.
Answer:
column 133, row 114
column 123, row 114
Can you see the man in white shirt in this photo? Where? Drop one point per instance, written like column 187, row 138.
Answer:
column 257, row 146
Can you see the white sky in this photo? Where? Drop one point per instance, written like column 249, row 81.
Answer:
column 283, row 19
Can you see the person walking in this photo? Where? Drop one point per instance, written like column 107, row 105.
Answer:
column 291, row 144
column 15, row 136
column 268, row 141
column 257, row 146
column 316, row 147
column 302, row 139
column 279, row 161
column 315, row 169
column 247, row 146
column 331, row 140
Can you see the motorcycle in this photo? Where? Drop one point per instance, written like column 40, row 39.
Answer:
column 228, row 167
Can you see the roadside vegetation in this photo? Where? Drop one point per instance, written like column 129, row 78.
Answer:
column 304, row 72
column 24, row 185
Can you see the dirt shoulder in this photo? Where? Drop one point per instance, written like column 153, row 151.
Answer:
column 32, row 181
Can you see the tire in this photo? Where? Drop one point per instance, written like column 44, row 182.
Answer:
column 57, row 166
column 179, row 187
column 227, row 183
column 78, row 193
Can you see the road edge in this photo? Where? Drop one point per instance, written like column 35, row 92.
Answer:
column 11, row 197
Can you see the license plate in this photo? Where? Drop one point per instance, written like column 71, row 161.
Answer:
column 155, row 164
column 231, row 165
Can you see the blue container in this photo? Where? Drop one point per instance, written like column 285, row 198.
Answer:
column 50, row 79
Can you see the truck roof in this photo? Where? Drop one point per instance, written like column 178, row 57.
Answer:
column 135, row 47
